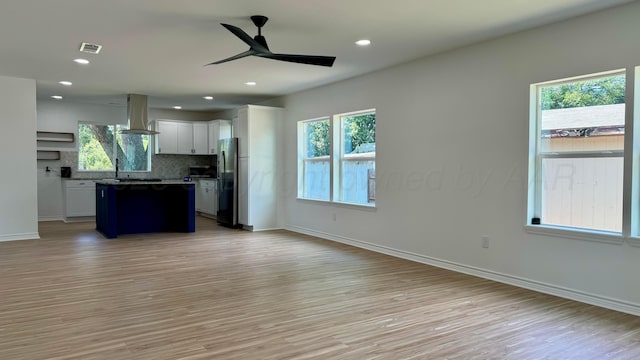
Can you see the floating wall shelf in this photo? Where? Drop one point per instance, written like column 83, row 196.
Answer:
column 55, row 136
column 48, row 155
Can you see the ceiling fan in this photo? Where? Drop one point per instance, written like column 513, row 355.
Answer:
column 258, row 47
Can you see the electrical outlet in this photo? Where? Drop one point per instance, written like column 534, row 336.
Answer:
column 485, row 241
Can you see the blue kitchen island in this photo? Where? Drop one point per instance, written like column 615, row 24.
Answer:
column 133, row 207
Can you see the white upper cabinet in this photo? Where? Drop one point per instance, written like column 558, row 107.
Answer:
column 214, row 130
column 241, row 131
column 181, row 137
column 185, row 138
column 200, row 138
column 167, row 140
column 218, row 129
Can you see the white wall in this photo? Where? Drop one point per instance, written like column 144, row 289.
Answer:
column 63, row 116
column 452, row 152
column 18, row 199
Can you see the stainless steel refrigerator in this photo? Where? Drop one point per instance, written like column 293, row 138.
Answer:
column 228, row 182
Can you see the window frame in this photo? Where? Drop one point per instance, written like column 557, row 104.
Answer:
column 116, row 127
column 336, row 158
column 339, row 156
column 536, row 157
column 303, row 159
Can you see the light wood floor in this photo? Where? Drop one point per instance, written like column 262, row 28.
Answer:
column 229, row 294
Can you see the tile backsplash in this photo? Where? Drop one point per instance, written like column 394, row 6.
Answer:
column 162, row 166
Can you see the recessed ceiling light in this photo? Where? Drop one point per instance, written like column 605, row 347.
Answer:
column 81, row 61
column 250, row 83
column 57, row 97
column 65, row 83
column 177, row 107
column 208, row 97
column 363, row 42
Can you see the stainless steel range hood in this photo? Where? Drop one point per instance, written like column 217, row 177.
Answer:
column 138, row 117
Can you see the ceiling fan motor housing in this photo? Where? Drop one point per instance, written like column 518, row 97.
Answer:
column 259, row 21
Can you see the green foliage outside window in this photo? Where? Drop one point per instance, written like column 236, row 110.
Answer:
column 318, row 143
column 602, row 91
column 359, row 133
column 91, row 152
column 97, row 151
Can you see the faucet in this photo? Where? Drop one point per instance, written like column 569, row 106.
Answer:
column 116, row 168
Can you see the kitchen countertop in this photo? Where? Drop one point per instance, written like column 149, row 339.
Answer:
column 141, row 182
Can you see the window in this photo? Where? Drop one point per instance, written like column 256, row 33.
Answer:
column 336, row 158
column 100, row 145
column 315, row 161
column 577, row 143
column 355, row 159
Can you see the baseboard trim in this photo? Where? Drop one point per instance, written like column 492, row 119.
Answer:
column 76, row 219
column 265, row 229
column 14, row 237
column 567, row 293
column 50, row 218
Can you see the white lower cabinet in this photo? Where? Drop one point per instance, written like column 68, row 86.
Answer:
column 207, row 199
column 79, row 199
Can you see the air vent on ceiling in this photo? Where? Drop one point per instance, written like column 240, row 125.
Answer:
column 90, row 48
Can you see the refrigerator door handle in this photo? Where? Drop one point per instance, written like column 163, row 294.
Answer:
column 224, row 165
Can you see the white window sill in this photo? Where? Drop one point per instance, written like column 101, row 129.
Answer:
column 339, row 203
column 366, row 206
column 608, row 237
column 634, row 241
column 314, row 200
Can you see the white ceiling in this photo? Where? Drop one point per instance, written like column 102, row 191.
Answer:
column 158, row 47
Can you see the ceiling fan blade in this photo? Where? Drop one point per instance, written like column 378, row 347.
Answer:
column 301, row 59
column 246, row 38
column 258, row 47
column 234, row 57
